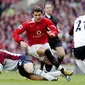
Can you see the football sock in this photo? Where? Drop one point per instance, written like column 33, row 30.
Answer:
column 54, row 74
column 42, row 74
column 52, row 59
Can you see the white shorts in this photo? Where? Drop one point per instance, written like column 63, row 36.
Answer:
column 34, row 48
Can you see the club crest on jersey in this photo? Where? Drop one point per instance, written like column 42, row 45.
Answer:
column 20, row 27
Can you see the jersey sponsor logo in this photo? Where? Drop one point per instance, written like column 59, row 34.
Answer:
column 20, row 27
column 39, row 32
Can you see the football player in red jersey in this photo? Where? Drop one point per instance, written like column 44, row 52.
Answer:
column 37, row 36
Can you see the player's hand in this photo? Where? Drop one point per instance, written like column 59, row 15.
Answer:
column 23, row 44
column 51, row 35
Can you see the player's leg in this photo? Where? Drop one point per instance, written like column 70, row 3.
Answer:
column 42, row 65
column 38, row 74
column 41, row 50
column 79, row 56
column 80, row 64
column 60, row 54
column 66, row 73
column 48, row 67
column 35, row 77
column 53, row 69
column 26, row 68
column 1, row 67
column 56, row 45
column 55, row 73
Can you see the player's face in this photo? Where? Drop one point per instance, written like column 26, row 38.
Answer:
column 37, row 16
column 48, row 9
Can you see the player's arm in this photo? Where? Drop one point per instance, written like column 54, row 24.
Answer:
column 71, row 30
column 18, row 31
column 53, row 30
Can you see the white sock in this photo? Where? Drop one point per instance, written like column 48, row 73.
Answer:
column 84, row 62
column 81, row 64
column 60, row 67
column 43, row 74
column 55, row 74
column 1, row 67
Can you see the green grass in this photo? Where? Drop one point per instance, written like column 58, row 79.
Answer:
column 13, row 78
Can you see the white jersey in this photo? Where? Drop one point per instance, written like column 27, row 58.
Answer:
column 10, row 65
column 79, row 32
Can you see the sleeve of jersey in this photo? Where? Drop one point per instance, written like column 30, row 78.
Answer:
column 71, row 30
column 52, row 28
column 18, row 31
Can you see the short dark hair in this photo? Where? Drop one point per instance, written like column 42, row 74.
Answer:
column 48, row 3
column 37, row 9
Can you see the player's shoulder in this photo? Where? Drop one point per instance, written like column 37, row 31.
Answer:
column 81, row 17
column 29, row 21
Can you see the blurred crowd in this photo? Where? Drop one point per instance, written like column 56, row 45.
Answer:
column 11, row 17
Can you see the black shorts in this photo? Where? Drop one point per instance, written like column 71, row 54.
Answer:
column 54, row 42
column 20, row 66
column 79, row 52
column 48, row 67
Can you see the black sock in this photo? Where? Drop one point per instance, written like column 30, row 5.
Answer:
column 62, row 70
column 48, row 67
column 51, row 58
column 42, row 65
column 59, row 59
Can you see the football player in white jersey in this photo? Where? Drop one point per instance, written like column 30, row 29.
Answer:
column 78, row 45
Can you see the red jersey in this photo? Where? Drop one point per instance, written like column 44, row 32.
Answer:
column 36, row 31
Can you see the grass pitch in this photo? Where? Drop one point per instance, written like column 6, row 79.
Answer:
column 13, row 78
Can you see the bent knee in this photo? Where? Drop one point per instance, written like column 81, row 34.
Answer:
column 28, row 67
column 60, row 51
column 62, row 55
